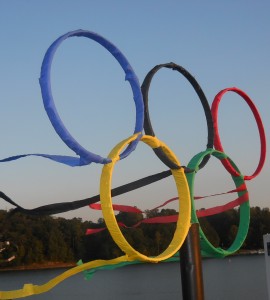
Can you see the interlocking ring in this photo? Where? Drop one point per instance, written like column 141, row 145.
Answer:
column 183, row 222
column 206, row 246
column 147, row 123
column 217, row 141
column 86, row 156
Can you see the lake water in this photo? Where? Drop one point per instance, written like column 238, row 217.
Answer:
column 232, row 278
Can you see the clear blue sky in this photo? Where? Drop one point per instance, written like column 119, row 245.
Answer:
column 223, row 44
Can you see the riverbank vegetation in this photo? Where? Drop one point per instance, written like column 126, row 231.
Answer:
column 47, row 240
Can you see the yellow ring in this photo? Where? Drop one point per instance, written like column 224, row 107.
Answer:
column 183, row 221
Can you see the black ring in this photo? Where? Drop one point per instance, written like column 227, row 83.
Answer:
column 147, row 123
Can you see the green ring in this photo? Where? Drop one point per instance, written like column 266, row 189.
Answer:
column 206, row 247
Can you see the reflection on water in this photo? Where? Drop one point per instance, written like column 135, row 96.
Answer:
column 239, row 277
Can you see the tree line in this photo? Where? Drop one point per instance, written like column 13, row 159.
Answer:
column 41, row 239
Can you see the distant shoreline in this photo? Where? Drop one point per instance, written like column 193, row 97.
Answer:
column 47, row 265
column 59, row 265
column 250, row 252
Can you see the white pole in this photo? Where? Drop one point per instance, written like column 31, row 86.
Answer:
column 266, row 243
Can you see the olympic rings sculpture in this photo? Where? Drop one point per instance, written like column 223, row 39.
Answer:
column 184, row 176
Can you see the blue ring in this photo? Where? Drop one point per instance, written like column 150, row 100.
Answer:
column 86, row 156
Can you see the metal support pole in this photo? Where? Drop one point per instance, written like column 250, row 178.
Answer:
column 191, row 266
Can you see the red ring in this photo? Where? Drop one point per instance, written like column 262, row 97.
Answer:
column 217, row 142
